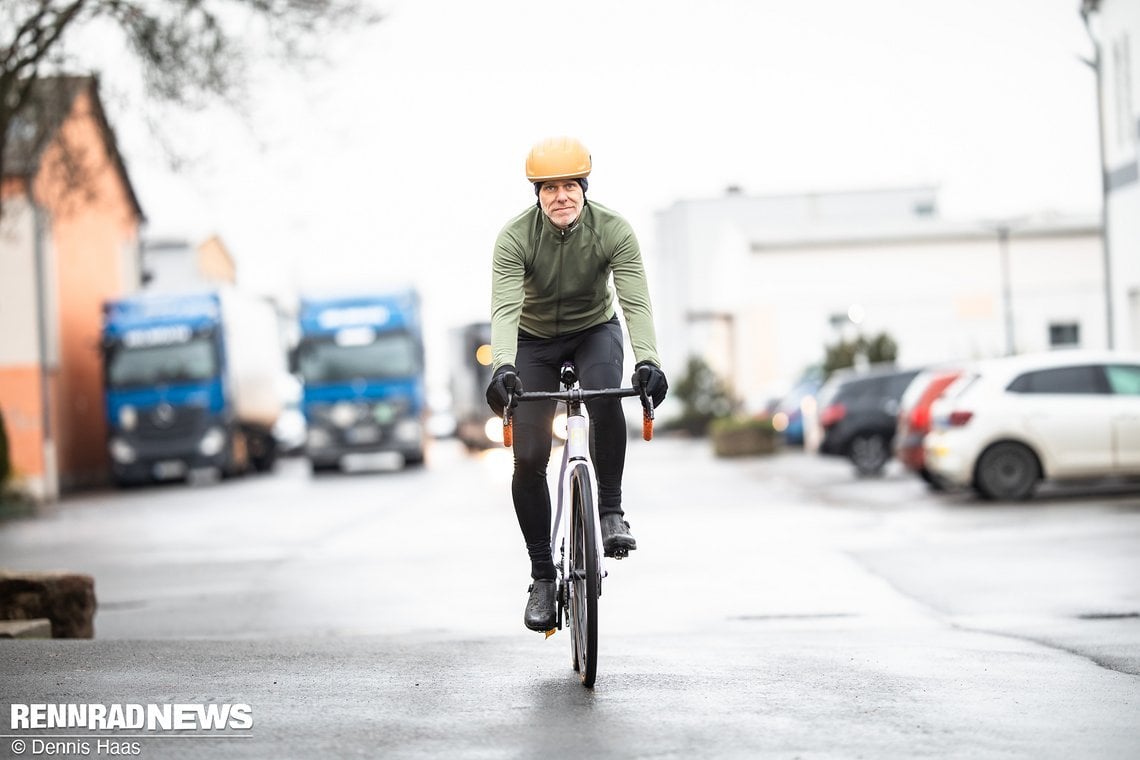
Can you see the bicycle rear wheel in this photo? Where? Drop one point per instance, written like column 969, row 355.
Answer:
column 584, row 580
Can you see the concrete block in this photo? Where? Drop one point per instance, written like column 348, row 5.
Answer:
column 66, row 599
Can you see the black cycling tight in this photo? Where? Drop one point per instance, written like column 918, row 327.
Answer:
column 597, row 354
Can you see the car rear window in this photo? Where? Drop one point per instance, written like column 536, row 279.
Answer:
column 1124, row 379
column 897, row 384
column 1084, row 379
column 856, row 389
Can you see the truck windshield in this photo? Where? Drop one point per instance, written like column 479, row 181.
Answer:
column 389, row 355
column 192, row 361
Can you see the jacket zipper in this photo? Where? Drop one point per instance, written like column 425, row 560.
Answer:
column 561, row 265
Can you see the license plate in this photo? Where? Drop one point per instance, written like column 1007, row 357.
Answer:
column 167, row 470
column 381, row 460
column 362, row 435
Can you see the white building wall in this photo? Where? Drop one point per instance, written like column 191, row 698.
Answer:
column 18, row 284
column 1116, row 26
column 701, row 244
column 173, row 266
column 935, row 287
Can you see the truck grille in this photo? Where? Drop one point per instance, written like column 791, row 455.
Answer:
column 165, row 422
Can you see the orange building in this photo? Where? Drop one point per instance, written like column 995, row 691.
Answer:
column 69, row 240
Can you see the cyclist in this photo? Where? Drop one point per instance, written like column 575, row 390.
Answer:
column 551, row 302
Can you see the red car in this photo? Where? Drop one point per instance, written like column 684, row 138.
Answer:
column 914, row 419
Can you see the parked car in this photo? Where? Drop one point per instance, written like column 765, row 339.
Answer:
column 1007, row 424
column 858, row 414
column 914, row 419
column 787, row 414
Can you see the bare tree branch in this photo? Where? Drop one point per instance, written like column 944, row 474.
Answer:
column 188, row 51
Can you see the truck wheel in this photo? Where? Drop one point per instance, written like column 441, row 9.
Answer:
column 237, row 463
column 869, row 453
column 316, row 467
column 1007, row 471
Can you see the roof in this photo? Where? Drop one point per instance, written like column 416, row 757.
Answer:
column 33, row 129
column 1009, row 366
column 919, row 231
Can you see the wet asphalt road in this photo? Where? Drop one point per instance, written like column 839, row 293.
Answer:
column 776, row 607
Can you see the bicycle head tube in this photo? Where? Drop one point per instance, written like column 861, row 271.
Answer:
column 577, row 437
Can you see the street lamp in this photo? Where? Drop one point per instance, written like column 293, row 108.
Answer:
column 1003, row 228
column 1006, row 287
column 1087, row 6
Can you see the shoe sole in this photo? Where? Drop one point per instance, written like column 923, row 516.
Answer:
column 620, row 550
column 541, row 627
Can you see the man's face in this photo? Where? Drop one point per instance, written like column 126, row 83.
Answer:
column 561, row 200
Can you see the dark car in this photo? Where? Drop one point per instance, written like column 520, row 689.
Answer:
column 858, row 416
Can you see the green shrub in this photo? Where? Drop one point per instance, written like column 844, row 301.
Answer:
column 743, row 436
column 879, row 349
column 5, row 460
column 12, row 503
column 704, row 397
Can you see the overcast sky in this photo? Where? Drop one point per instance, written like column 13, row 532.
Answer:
column 402, row 158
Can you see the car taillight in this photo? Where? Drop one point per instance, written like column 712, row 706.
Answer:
column 832, row 414
column 959, row 418
column 920, row 419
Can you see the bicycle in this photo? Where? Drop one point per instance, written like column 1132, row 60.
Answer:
column 581, row 569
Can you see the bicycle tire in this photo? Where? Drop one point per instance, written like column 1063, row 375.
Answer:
column 584, row 580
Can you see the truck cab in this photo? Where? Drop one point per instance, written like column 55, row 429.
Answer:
column 361, row 363
column 184, row 390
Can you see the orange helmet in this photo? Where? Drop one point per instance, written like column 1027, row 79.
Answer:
column 558, row 158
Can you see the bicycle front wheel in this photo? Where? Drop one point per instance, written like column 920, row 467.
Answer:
column 584, row 580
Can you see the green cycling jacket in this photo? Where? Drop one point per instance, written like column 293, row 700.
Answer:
column 549, row 282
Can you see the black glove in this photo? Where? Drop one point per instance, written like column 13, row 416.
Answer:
column 505, row 383
column 652, row 379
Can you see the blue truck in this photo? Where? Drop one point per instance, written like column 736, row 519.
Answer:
column 361, row 363
column 192, row 380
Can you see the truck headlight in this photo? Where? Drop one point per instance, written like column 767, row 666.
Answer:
column 212, row 442
column 128, row 417
column 343, row 415
column 408, row 431
column 318, row 438
column 121, row 451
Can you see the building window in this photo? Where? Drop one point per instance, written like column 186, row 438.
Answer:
column 1064, row 335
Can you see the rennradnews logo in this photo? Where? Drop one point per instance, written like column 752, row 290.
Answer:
column 133, row 717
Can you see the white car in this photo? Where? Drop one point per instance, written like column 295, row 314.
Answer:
column 1008, row 423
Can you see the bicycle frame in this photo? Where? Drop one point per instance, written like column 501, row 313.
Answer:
column 576, row 450
column 580, row 575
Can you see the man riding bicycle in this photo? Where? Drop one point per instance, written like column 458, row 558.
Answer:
column 550, row 303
